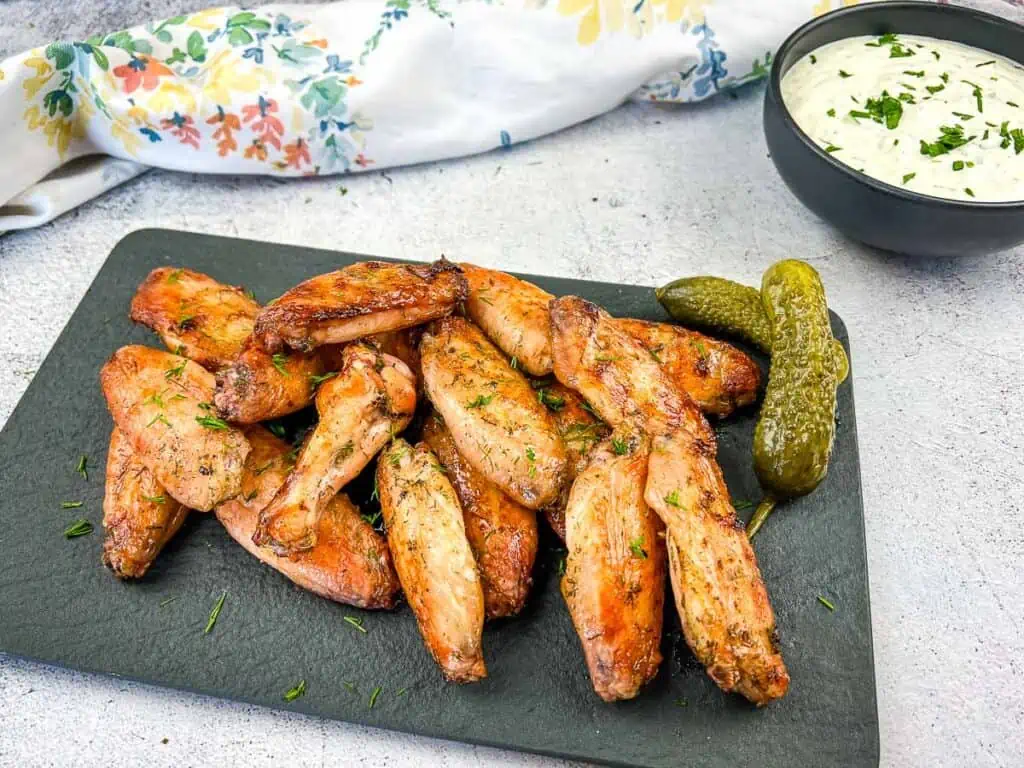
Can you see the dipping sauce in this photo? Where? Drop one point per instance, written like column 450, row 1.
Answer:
column 931, row 116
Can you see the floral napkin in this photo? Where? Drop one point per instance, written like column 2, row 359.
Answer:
column 299, row 90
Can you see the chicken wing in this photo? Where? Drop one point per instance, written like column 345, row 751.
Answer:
column 350, row 563
column 435, row 565
column 719, row 377
column 258, row 385
column 502, row 534
column 139, row 516
column 161, row 402
column 362, row 299
column 614, row 582
column 514, row 315
column 371, row 399
column 195, row 315
column 493, row 414
column 581, row 430
column 722, row 601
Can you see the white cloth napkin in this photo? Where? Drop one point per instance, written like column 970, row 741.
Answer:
column 297, row 90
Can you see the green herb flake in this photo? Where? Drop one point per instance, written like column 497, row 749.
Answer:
column 636, row 546
column 964, row 116
column 912, row 73
column 401, row 692
column 620, row 447
column 958, row 165
column 844, row 74
column 350, row 687
column 887, row 39
column 159, row 418
column 985, row 63
column 826, row 603
column 977, row 93
column 814, row 59
column 933, row 89
column 279, row 361
column 373, row 696
column 951, row 138
column 1013, row 104
column 832, row 148
column 897, row 51
column 672, row 499
column 81, row 527
column 293, row 693
column 81, row 467
column 161, row 499
column 480, row 400
column 936, row 55
column 908, row 176
column 741, row 504
column 969, row 191
column 215, row 613
column 831, row 113
column 357, row 623
column 167, row 602
column 71, row 504
column 212, row 422
column 682, row 703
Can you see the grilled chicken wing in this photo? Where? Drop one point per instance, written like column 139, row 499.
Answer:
column 258, row 385
column 371, row 399
column 435, row 565
column 514, row 314
column 350, row 563
column 614, row 582
column 722, row 602
column 195, row 315
column 492, row 412
column 139, row 516
column 719, row 377
column 581, row 430
column 363, row 299
column 160, row 402
column 502, row 533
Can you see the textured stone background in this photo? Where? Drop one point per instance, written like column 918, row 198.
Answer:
column 937, row 348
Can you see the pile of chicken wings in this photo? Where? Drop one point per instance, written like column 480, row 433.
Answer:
column 522, row 403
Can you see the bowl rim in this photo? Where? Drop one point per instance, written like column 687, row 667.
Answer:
column 774, row 93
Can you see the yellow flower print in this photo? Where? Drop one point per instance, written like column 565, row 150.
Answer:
column 677, row 10
column 33, row 118
column 129, row 139
column 225, row 74
column 636, row 18
column 172, row 97
column 824, row 6
column 207, row 20
column 43, row 74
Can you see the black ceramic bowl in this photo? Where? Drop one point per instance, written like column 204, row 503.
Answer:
column 872, row 211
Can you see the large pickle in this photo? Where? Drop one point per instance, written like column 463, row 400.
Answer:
column 730, row 308
column 793, row 439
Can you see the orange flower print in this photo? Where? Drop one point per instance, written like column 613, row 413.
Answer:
column 353, row 81
column 257, row 149
column 183, row 127
column 362, row 160
column 267, row 126
column 295, row 154
column 225, row 133
column 141, row 70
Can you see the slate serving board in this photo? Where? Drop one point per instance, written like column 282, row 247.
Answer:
column 59, row 605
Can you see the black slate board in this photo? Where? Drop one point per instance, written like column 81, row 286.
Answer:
column 59, row 605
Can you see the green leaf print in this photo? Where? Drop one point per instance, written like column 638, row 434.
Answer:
column 197, row 47
column 100, row 58
column 323, row 96
column 63, row 54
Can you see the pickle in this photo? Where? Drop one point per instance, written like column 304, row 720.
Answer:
column 793, row 439
column 732, row 309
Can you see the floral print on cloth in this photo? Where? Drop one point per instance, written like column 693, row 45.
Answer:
column 301, row 90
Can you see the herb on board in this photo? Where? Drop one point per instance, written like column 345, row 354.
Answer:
column 168, row 601
column 401, row 692
column 350, row 687
column 293, row 693
column 215, row 613
column 81, row 467
column 78, row 528
column 70, row 504
column 352, row 621
column 374, row 695
column 826, row 603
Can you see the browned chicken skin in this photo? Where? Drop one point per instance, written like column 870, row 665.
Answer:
column 371, row 399
column 350, row 562
column 514, row 314
column 501, row 532
column 196, row 316
column 139, row 516
column 614, row 582
column 435, row 565
column 360, row 300
column 719, row 377
column 722, row 601
column 492, row 412
column 161, row 402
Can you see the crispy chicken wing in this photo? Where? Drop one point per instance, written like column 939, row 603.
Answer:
column 722, row 602
column 492, row 412
column 719, row 377
column 350, row 562
column 614, row 582
column 581, row 430
column 514, row 314
column 435, row 565
column 362, row 299
column 161, row 402
column 195, row 315
column 258, row 385
column 501, row 532
column 371, row 399
column 139, row 516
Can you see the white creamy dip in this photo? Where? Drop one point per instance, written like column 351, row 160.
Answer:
column 932, row 116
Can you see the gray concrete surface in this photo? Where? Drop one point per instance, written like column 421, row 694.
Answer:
column 937, row 354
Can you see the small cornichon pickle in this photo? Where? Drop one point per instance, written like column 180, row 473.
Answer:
column 793, row 439
column 730, row 308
